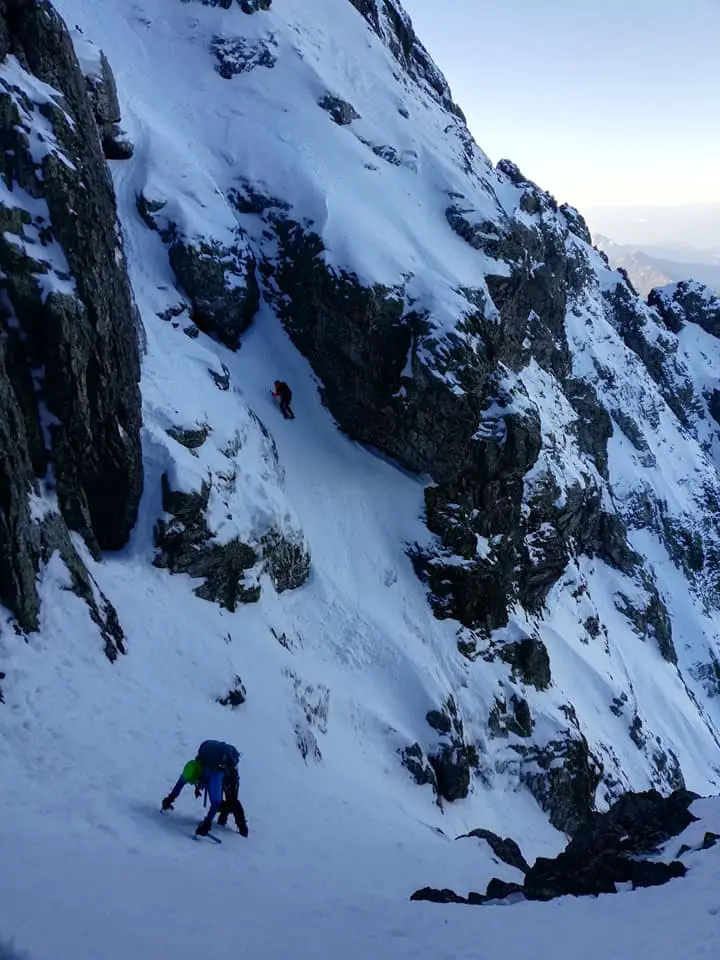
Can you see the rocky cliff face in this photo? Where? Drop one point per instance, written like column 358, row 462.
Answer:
column 540, row 412
column 459, row 322
column 69, row 332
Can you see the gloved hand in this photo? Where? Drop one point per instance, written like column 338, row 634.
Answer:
column 167, row 803
column 198, row 791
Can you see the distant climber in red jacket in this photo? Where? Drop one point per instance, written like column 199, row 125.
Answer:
column 283, row 393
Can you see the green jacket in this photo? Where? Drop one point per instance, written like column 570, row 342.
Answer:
column 192, row 772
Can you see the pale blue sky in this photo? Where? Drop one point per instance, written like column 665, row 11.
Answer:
column 603, row 102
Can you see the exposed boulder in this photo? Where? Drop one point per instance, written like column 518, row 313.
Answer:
column 342, row 112
column 452, row 765
column 103, row 94
column 432, row 895
column 496, row 890
column 287, row 559
column 501, row 890
column 504, row 848
column 189, row 437
column 237, row 55
column 221, row 285
column 637, row 822
column 236, row 695
column 475, row 593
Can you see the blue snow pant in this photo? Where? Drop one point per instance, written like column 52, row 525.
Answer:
column 211, row 783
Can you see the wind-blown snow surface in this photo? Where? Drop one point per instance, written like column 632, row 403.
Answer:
column 87, row 749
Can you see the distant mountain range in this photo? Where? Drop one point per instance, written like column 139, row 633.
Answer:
column 654, row 266
column 673, row 226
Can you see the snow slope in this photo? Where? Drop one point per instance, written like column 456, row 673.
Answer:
column 88, row 749
column 336, row 844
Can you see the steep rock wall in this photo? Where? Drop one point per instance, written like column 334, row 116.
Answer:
column 70, row 355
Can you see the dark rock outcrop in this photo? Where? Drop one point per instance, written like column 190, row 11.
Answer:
column 237, row 55
column 393, row 25
column 69, row 360
column 231, row 568
column 218, row 280
column 342, row 112
column 191, row 438
column 504, row 848
column 236, row 695
column 607, row 850
column 636, row 823
column 576, row 223
column 438, row 405
column 452, row 759
column 687, row 302
column 651, row 621
column 513, row 718
column 185, row 545
column 247, row 6
column 432, row 895
column 287, row 560
column 417, row 764
column 529, row 661
column 452, row 763
column 594, row 426
column 562, row 877
column 632, row 319
column 207, row 273
column 563, row 777
column 252, row 6
column 496, row 890
column 103, row 94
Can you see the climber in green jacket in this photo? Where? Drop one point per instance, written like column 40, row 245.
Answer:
column 214, row 770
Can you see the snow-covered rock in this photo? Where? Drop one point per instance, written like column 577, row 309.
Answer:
column 69, row 353
column 497, row 578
